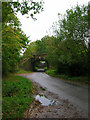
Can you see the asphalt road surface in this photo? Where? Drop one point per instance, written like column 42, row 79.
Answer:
column 75, row 93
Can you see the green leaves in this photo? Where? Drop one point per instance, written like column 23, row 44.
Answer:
column 13, row 38
column 72, row 33
column 28, row 7
column 12, row 43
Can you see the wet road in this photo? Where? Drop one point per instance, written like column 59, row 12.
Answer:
column 76, row 94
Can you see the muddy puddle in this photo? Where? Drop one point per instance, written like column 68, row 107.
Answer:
column 45, row 101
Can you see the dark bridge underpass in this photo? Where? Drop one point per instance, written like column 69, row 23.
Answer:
column 36, row 63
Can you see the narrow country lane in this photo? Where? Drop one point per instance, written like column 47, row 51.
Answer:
column 76, row 94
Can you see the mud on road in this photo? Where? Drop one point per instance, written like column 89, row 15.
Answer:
column 61, row 108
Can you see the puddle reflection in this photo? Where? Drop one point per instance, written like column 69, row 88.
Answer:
column 45, row 101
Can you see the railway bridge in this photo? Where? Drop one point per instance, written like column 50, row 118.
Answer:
column 35, row 63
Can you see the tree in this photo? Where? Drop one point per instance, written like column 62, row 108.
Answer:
column 13, row 38
column 26, row 7
column 30, row 50
column 72, row 41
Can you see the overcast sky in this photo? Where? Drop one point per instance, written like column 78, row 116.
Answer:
column 38, row 29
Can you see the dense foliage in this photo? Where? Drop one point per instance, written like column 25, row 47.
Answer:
column 67, row 50
column 13, row 38
column 72, row 36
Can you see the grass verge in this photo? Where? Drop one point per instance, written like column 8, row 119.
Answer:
column 20, row 71
column 76, row 79
column 17, row 94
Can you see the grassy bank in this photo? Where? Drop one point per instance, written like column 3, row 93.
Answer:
column 17, row 94
column 20, row 71
column 77, row 79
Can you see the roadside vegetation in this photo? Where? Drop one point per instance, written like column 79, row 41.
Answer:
column 20, row 71
column 17, row 95
column 75, row 79
column 14, row 40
